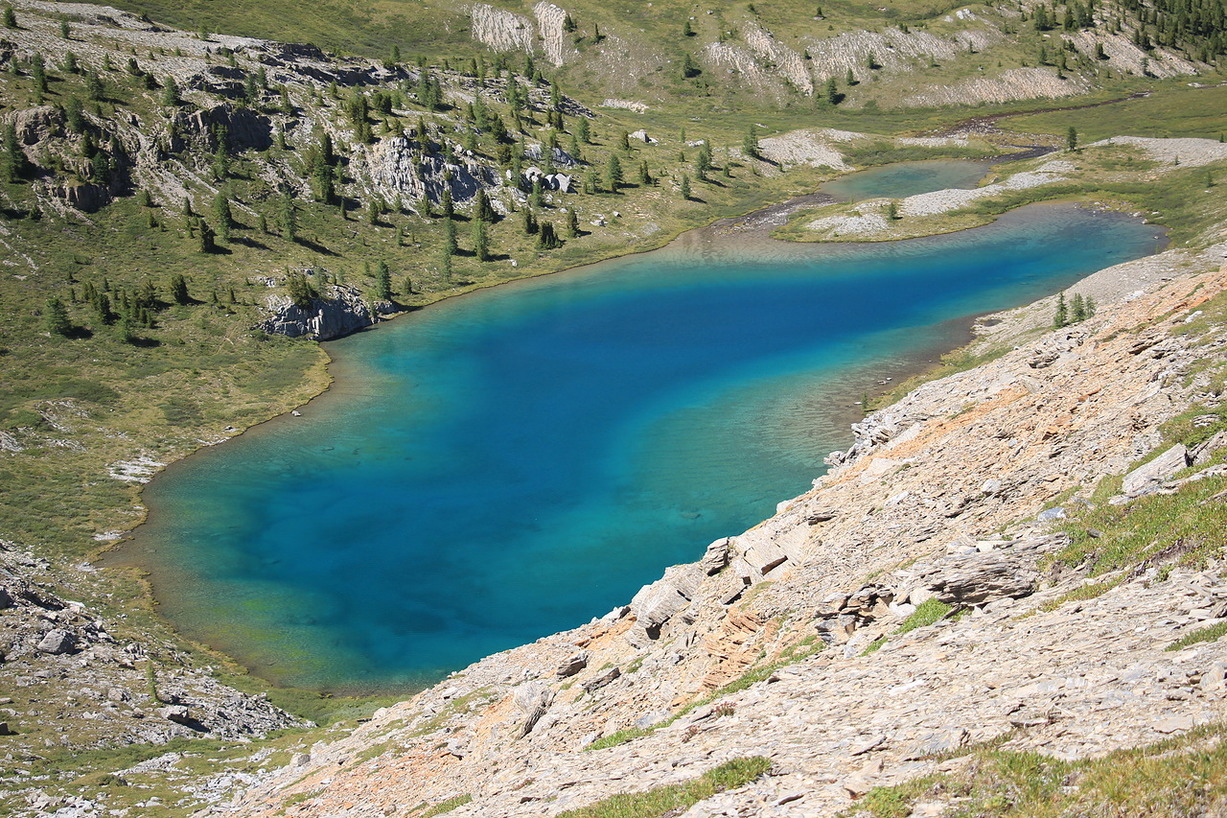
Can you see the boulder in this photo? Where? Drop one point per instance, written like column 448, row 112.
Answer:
column 1148, row 477
column 1202, row 452
column 657, row 603
column 573, row 665
column 533, row 699
column 6, row 599
column 602, row 680
column 714, row 560
column 57, row 641
column 765, row 556
column 975, row 578
column 177, row 713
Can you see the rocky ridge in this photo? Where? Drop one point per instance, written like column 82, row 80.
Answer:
column 64, row 662
column 786, row 641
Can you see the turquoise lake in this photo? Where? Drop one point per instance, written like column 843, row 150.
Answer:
column 511, row 463
column 908, row 178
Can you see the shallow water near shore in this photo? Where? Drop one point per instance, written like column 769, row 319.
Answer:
column 505, row 465
column 902, row 179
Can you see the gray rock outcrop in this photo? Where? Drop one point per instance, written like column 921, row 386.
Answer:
column 344, row 312
column 1150, row 476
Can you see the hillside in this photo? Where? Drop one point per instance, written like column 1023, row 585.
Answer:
column 192, row 195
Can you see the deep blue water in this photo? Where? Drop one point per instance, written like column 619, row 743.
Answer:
column 512, row 463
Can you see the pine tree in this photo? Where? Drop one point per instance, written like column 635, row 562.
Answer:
column 383, row 282
column 223, row 215
column 690, row 68
column 178, row 290
column 572, row 224
column 613, row 173
column 1077, row 308
column 289, row 219
column 170, row 93
column 482, row 209
column 1071, row 138
column 831, row 93
column 481, row 243
column 1061, row 317
column 685, row 187
column 530, row 223
column 56, row 314
column 449, row 236
column 547, row 239
column 13, row 162
column 445, row 265
column 584, row 131
column 208, row 242
column 702, row 162
column 749, row 145
column 10, row 19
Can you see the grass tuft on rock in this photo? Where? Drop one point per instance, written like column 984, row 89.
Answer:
column 674, row 799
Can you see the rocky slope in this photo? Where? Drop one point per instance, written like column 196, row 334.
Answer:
column 786, row 641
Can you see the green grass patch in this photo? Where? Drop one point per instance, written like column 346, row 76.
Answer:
column 1185, row 528
column 446, row 806
column 1091, row 590
column 1172, row 111
column 882, row 152
column 1210, row 633
column 620, row 737
column 299, row 797
column 874, row 646
column 676, row 798
column 926, row 613
column 1185, row 775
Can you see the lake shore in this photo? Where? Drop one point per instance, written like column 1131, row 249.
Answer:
column 696, row 246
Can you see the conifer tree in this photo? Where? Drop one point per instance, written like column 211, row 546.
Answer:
column 56, row 313
column 1061, row 317
column 1077, row 308
column 449, row 236
column 481, row 242
column 170, row 93
column 178, row 289
column 289, row 219
column 749, row 145
column 383, row 281
column 223, row 215
column 547, row 239
column 613, row 173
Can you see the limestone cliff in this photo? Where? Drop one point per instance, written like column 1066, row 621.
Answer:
column 786, row 641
